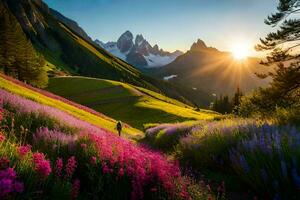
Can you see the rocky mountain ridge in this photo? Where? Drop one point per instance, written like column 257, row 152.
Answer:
column 138, row 51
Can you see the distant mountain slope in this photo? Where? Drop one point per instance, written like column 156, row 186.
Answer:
column 208, row 69
column 65, row 45
column 138, row 52
column 71, row 24
column 134, row 105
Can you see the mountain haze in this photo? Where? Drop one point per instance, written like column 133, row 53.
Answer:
column 213, row 71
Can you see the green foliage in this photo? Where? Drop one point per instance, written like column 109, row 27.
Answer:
column 287, row 116
column 283, row 92
column 264, row 104
column 18, row 57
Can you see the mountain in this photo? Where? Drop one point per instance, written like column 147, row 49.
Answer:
column 138, row 52
column 71, row 24
column 69, row 50
column 213, row 71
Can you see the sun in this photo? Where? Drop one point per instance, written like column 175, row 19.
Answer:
column 240, row 51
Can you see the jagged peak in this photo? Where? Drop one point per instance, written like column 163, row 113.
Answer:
column 127, row 34
column 199, row 45
column 139, row 39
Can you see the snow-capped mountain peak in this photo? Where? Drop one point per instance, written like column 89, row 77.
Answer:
column 138, row 52
column 139, row 39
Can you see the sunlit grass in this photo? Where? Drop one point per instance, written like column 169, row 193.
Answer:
column 134, row 105
column 114, row 61
column 108, row 124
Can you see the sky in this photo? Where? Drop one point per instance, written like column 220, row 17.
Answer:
column 173, row 24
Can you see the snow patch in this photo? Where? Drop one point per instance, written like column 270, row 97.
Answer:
column 114, row 50
column 159, row 61
column 166, row 78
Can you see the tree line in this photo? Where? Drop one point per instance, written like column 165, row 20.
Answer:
column 226, row 105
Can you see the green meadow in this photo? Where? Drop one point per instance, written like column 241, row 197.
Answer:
column 133, row 105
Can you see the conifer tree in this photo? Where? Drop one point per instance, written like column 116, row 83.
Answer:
column 236, row 100
column 18, row 58
column 284, row 46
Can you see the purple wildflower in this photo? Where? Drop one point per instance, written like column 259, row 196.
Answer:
column 70, row 167
column 9, row 183
column 75, row 189
column 58, row 167
column 53, row 136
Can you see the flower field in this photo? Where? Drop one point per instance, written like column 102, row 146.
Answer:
column 264, row 157
column 47, row 153
column 73, row 109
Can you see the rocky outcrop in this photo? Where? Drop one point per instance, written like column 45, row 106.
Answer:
column 125, row 42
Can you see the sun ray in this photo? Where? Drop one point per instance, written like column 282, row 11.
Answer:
column 240, row 51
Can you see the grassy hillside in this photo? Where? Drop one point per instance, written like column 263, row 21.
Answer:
column 51, row 149
column 98, row 120
column 134, row 105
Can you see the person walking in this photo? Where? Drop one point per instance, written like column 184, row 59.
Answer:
column 119, row 128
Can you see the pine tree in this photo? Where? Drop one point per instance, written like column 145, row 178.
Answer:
column 236, row 100
column 17, row 55
column 284, row 46
column 7, row 36
column 222, row 105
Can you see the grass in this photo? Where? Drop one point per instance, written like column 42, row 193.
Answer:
column 115, row 62
column 47, row 153
column 133, row 105
column 253, row 157
column 106, row 123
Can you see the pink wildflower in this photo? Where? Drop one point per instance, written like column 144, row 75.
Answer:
column 23, row 150
column 42, row 166
column 93, row 160
column 121, row 172
column 2, row 137
column 58, row 167
column 75, row 189
column 70, row 167
column 105, row 169
column 83, row 146
column 1, row 113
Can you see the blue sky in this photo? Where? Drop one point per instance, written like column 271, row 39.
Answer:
column 172, row 24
